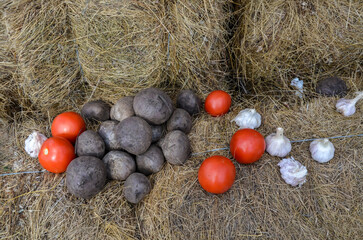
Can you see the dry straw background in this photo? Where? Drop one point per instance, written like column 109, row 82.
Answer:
column 57, row 55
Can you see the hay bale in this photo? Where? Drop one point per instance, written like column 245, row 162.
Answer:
column 120, row 45
column 260, row 203
column 39, row 33
column 197, row 48
column 7, row 69
column 277, row 40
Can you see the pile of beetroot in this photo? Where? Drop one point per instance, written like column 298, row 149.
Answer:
column 135, row 137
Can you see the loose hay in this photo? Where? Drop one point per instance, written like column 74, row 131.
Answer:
column 47, row 68
column 259, row 204
column 197, row 49
column 120, row 45
column 275, row 41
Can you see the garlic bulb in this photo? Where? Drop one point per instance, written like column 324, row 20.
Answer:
column 277, row 144
column 347, row 106
column 248, row 118
column 293, row 172
column 299, row 86
column 33, row 143
column 322, row 150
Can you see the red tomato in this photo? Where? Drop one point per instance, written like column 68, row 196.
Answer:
column 216, row 174
column 68, row 125
column 217, row 103
column 55, row 154
column 247, row 145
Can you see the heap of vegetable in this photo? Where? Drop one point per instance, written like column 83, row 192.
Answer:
column 135, row 137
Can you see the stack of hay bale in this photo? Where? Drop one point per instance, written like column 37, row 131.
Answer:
column 278, row 40
column 126, row 46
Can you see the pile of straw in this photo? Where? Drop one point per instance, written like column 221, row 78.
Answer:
column 197, row 49
column 259, row 204
column 275, row 41
column 46, row 60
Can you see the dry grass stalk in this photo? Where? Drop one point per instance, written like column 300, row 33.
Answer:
column 259, row 204
column 278, row 40
column 120, row 45
column 47, row 68
column 197, row 56
column 7, row 69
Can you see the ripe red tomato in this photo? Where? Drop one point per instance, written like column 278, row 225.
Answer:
column 217, row 103
column 216, row 174
column 55, row 154
column 247, row 145
column 68, row 125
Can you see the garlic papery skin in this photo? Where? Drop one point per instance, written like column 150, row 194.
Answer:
column 322, row 150
column 277, row 144
column 33, row 143
column 347, row 106
column 248, row 118
column 293, row 172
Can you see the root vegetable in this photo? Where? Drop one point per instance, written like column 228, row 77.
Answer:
column 176, row 147
column 86, row 176
column 180, row 120
column 90, row 143
column 151, row 161
column 153, row 105
column 157, row 132
column 107, row 131
column 136, row 187
column 332, row 86
column 123, row 109
column 189, row 101
column 98, row 110
column 119, row 165
column 134, row 135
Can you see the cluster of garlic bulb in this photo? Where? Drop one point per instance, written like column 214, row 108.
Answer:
column 277, row 144
column 33, row 143
column 292, row 171
column 248, row 118
column 347, row 106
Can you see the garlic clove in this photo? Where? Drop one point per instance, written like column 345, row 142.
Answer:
column 293, row 172
column 277, row 144
column 322, row 150
column 248, row 118
column 33, row 143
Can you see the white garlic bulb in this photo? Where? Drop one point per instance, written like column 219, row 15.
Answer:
column 322, row 150
column 299, row 85
column 347, row 106
column 277, row 144
column 248, row 118
column 293, row 172
column 33, row 143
